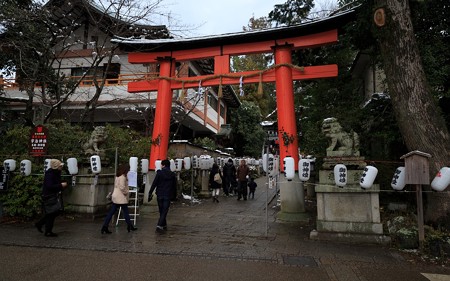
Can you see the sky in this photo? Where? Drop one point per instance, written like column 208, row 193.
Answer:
column 218, row 17
column 213, row 17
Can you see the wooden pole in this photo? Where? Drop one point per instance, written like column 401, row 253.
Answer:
column 420, row 216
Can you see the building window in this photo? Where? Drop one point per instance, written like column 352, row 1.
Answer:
column 212, row 101
column 222, row 111
column 112, row 75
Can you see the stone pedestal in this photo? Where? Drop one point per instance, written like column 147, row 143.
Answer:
column 351, row 213
column 292, row 196
column 88, row 196
column 204, row 179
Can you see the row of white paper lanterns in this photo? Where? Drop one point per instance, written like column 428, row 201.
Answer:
column 439, row 183
column 270, row 165
column 203, row 163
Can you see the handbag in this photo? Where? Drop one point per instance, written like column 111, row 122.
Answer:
column 53, row 203
column 217, row 178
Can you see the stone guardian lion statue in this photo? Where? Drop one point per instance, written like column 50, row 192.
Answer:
column 341, row 143
column 98, row 137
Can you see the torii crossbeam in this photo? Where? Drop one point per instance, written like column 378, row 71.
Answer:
column 279, row 41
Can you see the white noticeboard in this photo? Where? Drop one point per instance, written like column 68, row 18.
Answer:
column 132, row 179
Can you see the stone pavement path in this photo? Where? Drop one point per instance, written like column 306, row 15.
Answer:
column 230, row 232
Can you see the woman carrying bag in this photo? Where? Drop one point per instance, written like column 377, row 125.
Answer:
column 119, row 199
column 215, row 182
column 51, row 197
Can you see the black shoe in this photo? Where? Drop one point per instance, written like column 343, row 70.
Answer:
column 131, row 228
column 159, row 229
column 50, row 234
column 105, row 230
column 38, row 227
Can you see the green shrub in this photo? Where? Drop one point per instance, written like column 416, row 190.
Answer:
column 23, row 197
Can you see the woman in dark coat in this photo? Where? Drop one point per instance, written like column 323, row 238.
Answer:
column 50, row 191
column 215, row 182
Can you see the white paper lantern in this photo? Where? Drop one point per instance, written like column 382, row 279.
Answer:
column 25, row 167
column 265, row 160
column 368, row 177
column 133, row 164
column 289, row 167
column 144, row 166
column 442, row 179
column 9, row 164
column 178, row 164
column 304, row 169
column 158, row 165
column 172, row 165
column 187, row 163
column 72, row 165
column 96, row 165
column 398, row 180
column 47, row 164
column 340, row 175
column 273, row 166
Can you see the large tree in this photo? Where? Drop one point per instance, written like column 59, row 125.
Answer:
column 419, row 118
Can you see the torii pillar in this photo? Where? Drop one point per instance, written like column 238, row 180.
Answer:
column 161, row 125
column 292, row 197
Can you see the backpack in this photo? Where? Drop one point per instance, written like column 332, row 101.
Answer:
column 217, row 178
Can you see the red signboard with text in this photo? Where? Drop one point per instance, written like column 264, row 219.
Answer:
column 38, row 141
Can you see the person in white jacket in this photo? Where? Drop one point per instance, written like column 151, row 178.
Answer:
column 119, row 199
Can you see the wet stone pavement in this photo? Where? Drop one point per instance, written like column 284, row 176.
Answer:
column 229, row 230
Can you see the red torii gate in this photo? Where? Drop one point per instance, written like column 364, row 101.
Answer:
column 283, row 74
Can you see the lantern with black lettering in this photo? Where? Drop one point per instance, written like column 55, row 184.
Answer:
column 398, row 180
column 96, row 165
column 340, row 175
column 25, row 167
column 368, row 177
column 9, row 164
column 304, row 169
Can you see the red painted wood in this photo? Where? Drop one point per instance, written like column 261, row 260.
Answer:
column 285, row 105
column 163, row 111
column 307, row 41
column 309, row 72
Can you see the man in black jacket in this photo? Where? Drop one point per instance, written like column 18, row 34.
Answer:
column 229, row 174
column 165, row 184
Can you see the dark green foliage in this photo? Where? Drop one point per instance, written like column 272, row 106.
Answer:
column 291, row 12
column 186, row 181
column 15, row 141
column 23, row 198
column 247, row 130
column 128, row 142
column 432, row 28
column 206, row 143
column 65, row 140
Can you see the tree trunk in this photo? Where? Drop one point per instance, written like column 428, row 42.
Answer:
column 418, row 116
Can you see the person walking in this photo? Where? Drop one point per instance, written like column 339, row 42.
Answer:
column 165, row 183
column 252, row 187
column 119, row 199
column 229, row 177
column 242, row 174
column 51, row 197
column 215, row 182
